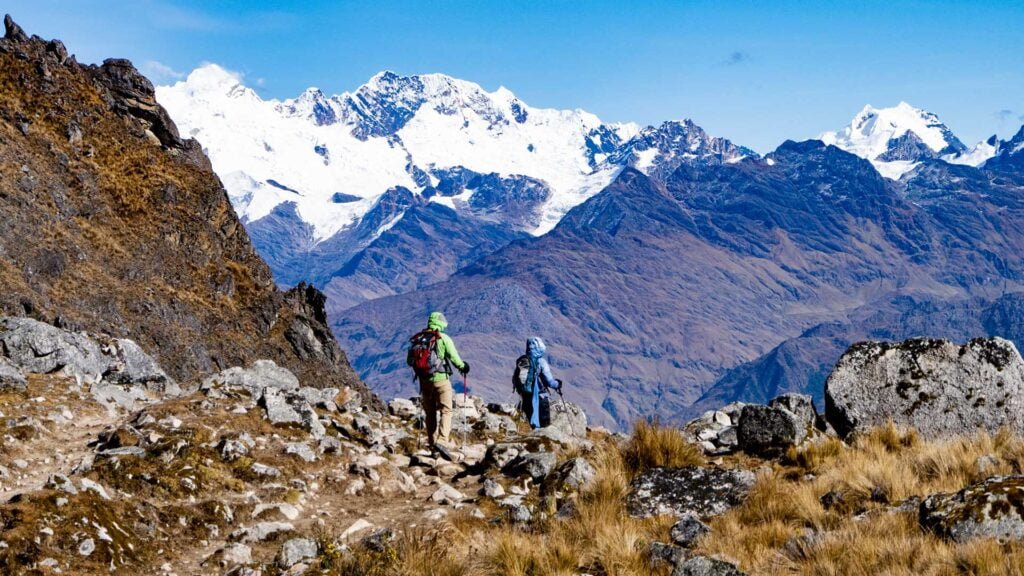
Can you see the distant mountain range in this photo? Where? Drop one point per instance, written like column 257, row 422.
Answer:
column 667, row 267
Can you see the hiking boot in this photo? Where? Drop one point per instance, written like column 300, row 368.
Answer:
column 443, row 451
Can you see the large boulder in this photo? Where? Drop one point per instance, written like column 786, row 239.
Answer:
column 115, row 367
column 675, row 491
column 938, row 387
column 40, row 348
column 769, row 430
column 993, row 508
column 254, row 379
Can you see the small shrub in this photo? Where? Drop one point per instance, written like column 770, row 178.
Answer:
column 653, row 445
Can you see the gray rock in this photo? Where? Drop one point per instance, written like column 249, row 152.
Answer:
column 403, row 408
column 135, row 451
column 379, row 540
column 675, row 491
column 94, row 486
column 254, row 379
column 278, row 410
column 300, row 449
column 296, row 550
column 39, row 348
column 575, row 474
column 492, row 489
column 264, row 470
column 260, row 532
column 688, row 529
column 661, row 552
column 504, row 452
column 86, row 547
column 321, row 397
column 445, row 494
column 496, row 423
column 133, row 366
column 536, row 465
column 117, row 395
column 769, row 430
column 800, row 404
column 993, row 508
column 311, row 421
column 935, row 386
column 502, row 408
column 62, row 483
column 520, row 514
column 231, row 450
column 11, row 377
column 704, row 566
column 235, row 554
column 568, row 418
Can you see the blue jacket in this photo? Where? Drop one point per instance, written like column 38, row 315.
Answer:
column 540, row 373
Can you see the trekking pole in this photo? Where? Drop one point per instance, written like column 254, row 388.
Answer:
column 465, row 399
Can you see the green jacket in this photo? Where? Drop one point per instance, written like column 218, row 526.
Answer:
column 445, row 346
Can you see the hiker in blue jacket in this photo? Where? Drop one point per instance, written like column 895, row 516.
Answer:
column 532, row 378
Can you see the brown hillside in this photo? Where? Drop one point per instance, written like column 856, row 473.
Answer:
column 110, row 222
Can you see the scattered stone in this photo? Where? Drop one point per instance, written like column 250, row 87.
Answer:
column 93, row 486
column 235, row 554
column 704, row 566
column 355, row 528
column 62, row 483
column 296, row 550
column 520, row 514
column 86, row 547
column 993, row 508
column 283, row 511
column 536, row 465
column 277, row 408
column 260, row 532
column 675, row 491
column 300, row 449
column 379, row 540
column 492, row 489
column 261, row 375
column 403, row 408
column 688, row 529
column 661, row 552
column 937, row 387
column 231, row 450
column 445, row 494
column 264, row 470
column 576, row 474
column 769, row 430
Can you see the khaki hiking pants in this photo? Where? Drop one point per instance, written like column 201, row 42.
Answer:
column 437, row 397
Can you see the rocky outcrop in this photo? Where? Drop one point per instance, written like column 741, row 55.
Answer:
column 676, row 491
column 993, row 508
column 769, row 430
column 117, row 370
column 704, row 566
column 940, row 388
column 132, row 233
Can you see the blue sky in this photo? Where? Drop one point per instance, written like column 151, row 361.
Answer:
column 755, row 72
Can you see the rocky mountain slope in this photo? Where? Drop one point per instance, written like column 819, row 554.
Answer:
column 650, row 292
column 114, row 224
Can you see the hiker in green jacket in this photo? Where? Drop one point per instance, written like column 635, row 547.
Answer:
column 432, row 354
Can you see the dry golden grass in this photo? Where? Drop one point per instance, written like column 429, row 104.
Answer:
column 783, row 527
column 653, row 445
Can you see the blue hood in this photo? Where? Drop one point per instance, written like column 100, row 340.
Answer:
column 535, row 348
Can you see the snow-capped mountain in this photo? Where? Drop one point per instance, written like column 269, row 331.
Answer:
column 320, row 180
column 334, row 156
column 896, row 139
